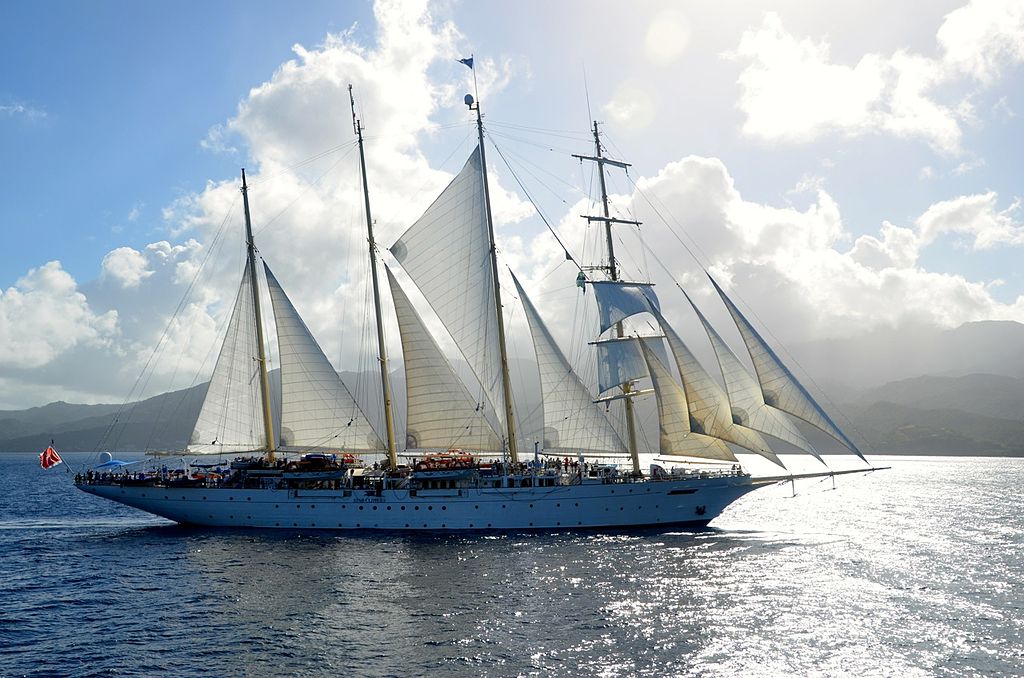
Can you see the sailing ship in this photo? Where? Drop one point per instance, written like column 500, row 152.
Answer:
column 466, row 470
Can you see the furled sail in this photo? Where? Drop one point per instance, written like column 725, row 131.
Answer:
column 617, row 300
column 778, row 385
column 317, row 409
column 675, row 435
column 231, row 418
column 708, row 405
column 572, row 423
column 441, row 411
column 446, row 253
column 748, row 406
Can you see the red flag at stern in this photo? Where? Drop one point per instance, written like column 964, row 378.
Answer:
column 49, row 458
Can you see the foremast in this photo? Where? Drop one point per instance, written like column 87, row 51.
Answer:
column 613, row 273
column 261, row 350
column 506, row 382
column 382, row 352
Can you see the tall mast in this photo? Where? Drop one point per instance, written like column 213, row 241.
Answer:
column 261, row 351
column 506, row 382
column 385, row 377
column 613, row 273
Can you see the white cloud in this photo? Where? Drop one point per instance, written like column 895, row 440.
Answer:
column 217, row 140
column 983, row 37
column 22, row 110
column 127, row 266
column 792, row 91
column 44, row 315
column 795, row 268
column 977, row 216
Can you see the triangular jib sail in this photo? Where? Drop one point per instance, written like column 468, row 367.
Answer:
column 572, row 422
column 747, row 403
column 676, row 438
column 708, row 405
column 317, row 409
column 778, row 385
column 441, row 412
column 447, row 254
column 231, row 418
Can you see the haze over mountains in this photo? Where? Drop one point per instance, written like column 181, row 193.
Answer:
column 908, row 391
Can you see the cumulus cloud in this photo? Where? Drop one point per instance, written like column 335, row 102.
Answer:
column 796, row 269
column 976, row 216
column 127, row 266
column 44, row 315
column 792, row 90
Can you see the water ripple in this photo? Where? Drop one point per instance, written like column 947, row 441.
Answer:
column 913, row 572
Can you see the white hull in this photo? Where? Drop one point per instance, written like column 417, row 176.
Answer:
column 590, row 505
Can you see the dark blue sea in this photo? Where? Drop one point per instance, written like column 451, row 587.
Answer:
column 914, row 571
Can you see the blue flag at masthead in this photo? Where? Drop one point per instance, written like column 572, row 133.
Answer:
column 467, row 62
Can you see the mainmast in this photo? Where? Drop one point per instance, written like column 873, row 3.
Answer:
column 506, row 382
column 613, row 273
column 385, row 377
column 261, row 351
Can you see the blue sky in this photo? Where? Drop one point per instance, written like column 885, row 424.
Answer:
column 121, row 93
column 849, row 166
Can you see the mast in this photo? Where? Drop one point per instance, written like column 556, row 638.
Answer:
column 506, row 382
column 613, row 273
column 261, row 351
column 385, row 377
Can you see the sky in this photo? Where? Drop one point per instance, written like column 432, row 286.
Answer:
column 840, row 167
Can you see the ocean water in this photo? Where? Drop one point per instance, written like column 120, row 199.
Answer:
column 914, row 571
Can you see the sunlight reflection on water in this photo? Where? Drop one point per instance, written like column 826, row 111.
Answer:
column 912, row 571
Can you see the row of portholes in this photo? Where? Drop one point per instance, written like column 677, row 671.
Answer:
column 417, row 508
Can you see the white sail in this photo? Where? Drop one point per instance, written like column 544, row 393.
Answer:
column 675, row 435
column 441, row 412
column 447, row 254
column 617, row 300
column 708, row 405
column 572, row 422
column 779, row 387
column 748, row 406
column 231, row 418
column 317, row 409
column 619, row 361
